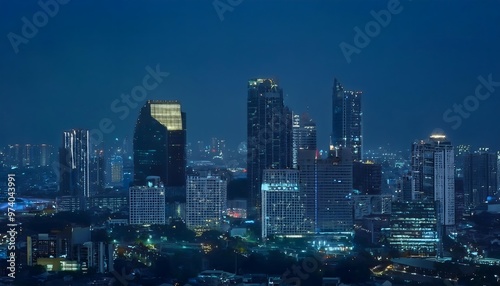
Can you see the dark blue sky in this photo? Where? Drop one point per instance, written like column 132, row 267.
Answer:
column 425, row 60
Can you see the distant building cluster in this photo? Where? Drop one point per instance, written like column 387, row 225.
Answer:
column 409, row 202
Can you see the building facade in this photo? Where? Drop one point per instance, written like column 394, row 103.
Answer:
column 326, row 185
column 413, row 227
column 480, row 177
column 206, row 202
column 432, row 164
column 283, row 208
column 74, row 163
column 347, row 120
column 269, row 135
column 367, row 178
column 147, row 205
column 303, row 136
column 160, row 143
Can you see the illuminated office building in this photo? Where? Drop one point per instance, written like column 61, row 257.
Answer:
column 303, row 136
column 13, row 156
column 283, row 209
column 147, row 203
column 45, row 155
column 97, row 171
column 432, row 164
column 27, row 155
column 160, row 143
column 413, row 228
column 74, row 163
column 327, row 187
column 269, row 135
column 117, row 170
column 460, row 152
column 480, row 177
column 347, row 120
column 206, row 202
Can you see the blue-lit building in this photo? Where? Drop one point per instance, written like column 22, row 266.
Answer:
column 283, row 208
column 269, row 135
column 327, row 187
column 347, row 120
column 413, row 227
column 74, row 163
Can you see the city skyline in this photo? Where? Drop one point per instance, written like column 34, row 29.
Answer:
column 451, row 56
column 245, row 142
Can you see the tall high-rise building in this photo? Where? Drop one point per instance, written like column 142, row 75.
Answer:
column 206, row 202
column 460, row 152
column 480, row 177
column 97, row 172
column 432, row 164
column 160, row 143
column 347, row 120
column 27, row 155
column 303, row 136
column 117, row 170
column 74, row 163
column 269, row 135
column 45, row 155
column 30, row 156
column 147, row 203
column 283, row 208
column 405, row 188
column 13, row 154
column 326, row 185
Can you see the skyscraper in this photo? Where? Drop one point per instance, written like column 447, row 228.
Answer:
column 326, row 185
column 347, row 120
column 283, row 208
column 97, row 171
column 160, row 143
column 304, row 135
column 269, row 135
column 74, row 163
column 480, row 177
column 45, row 155
column 432, row 164
column 117, row 170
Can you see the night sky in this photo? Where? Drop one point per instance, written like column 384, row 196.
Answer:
column 427, row 58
